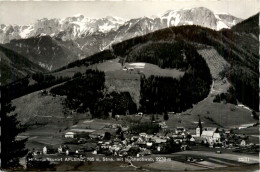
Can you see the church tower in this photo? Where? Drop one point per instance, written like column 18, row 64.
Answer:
column 199, row 129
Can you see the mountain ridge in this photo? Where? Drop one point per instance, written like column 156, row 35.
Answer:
column 78, row 37
column 14, row 66
column 79, row 26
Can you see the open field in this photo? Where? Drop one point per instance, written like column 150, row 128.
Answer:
column 45, row 135
column 95, row 124
column 172, row 165
column 236, row 157
column 119, row 80
column 35, row 106
column 212, row 114
column 52, row 134
column 249, row 131
column 204, row 161
column 150, row 69
column 110, row 65
column 252, row 132
column 95, row 166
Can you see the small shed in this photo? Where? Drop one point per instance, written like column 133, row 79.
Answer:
column 243, row 143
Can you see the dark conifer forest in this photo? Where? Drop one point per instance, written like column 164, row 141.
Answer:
column 160, row 94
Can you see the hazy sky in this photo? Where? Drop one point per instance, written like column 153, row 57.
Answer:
column 27, row 12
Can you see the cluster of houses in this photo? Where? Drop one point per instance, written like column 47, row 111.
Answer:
column 143, row 144
column 125, row 142
column 220, row 137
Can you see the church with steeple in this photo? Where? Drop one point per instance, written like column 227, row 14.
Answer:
column 199, row 128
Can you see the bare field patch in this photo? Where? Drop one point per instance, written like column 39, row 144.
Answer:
column 212, row 114
column 120, row 81
column 252, row 159
column 150, row 69
column 215, row 61
column 34, row 105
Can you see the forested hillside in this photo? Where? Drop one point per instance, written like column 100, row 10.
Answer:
column 243, row 72
column 160, row 94
column 15, row 66
column 174, row 47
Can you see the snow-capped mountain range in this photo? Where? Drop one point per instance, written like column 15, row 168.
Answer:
column 88, row 36
column 74, row 27
column 79, row 26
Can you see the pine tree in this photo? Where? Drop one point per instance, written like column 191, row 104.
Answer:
column 152, row 118
column 200, row 125
column 12, row 149
column 165, row 116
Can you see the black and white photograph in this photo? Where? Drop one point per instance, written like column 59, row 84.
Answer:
column 130, row 85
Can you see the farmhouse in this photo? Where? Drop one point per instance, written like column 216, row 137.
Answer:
column 70, row 134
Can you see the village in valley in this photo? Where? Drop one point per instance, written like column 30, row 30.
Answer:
column 200, row 138
column 174, row 93
column 95, row 141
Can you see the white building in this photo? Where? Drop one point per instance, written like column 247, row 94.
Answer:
column 60, row 149
column 208, row 135
column 216, row 137
column 198, row 132
column 44, row 151
column 211, row 136
column 70, row 135
column 243, row 143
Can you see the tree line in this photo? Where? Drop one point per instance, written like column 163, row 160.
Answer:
column 23, row 86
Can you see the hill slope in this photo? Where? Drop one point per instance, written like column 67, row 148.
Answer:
column 47, row 52
column 250, row 25
column 15, row 66
column 243, row 61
